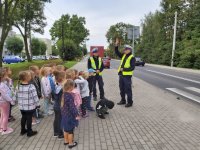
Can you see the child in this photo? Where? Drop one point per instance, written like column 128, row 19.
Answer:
column 36, row 80
column 90, row 85
column 84, row 94
column 8, row 81
column 5, row 101
column 60, row 78
column 102, row 107
column 37, row 83
column 70, row 74
column 69, row 114
column 35, row 116
column 28, row 101
column 46, row 89
column 60, row 68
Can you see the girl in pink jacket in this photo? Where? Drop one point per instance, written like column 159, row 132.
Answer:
column 5, row 101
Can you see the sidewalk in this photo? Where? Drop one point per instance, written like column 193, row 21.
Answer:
column 157, row 121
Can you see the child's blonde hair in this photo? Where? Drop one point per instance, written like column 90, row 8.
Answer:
column 85, row 75
column 2, row 73
column 32, row 74
column 44, row 71
column 6, row 69
column 70, row 74
column 60, row 68
column 59, row 75
column 33, row 68
column 23, row 75
column 68, row 85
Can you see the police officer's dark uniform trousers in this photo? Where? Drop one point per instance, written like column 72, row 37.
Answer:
column 125, row 77
column 96, row 63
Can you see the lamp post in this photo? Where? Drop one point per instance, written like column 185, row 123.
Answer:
column 174, row 40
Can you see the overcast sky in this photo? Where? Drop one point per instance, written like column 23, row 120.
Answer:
column 99, row 14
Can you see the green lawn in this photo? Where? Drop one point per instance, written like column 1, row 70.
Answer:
column 16, row 68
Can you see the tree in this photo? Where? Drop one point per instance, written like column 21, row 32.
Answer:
column 72, row 30
column 43, row 48
column 35, row 46
column 38, row 47
column 55, row 50
column 7, row 12
column 15, row 45
column 30, row 17
column 71, row 50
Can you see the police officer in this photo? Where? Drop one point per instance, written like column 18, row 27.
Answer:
column 95, row 62
column 125, row 73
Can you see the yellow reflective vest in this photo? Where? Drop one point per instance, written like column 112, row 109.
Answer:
column 94, row 65
column 126, row 65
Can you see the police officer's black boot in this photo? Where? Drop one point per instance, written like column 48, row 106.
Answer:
column 121, row 103
column 128, row 105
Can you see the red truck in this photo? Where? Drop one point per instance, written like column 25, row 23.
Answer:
column 106, row 60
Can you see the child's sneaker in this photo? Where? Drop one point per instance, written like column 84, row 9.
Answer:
column 8, row 131
column 50, row 113
column 91, row 109
column 86, row 115
column 1, row 130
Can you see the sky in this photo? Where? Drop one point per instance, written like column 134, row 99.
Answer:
column 99, row 14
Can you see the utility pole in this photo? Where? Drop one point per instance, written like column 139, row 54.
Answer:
column 174, row 40
column 133, row 44
column 30, row 41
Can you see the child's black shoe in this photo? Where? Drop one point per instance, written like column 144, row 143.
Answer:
column 73, row 145
column 32, row 133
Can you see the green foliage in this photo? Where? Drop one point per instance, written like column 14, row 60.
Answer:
column 72, row 29
column 30, row 17
column 84, row 50
column 15, row 45
column 38, row 47
column 155, row 44
column 7, row 16
column 70, row 50
column 43, row 48
column 119, row 31
column 55, row 50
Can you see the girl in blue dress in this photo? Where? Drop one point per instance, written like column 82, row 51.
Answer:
column 69, row 114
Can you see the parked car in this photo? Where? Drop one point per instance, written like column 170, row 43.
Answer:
column 106, row 62
column 139, row 61
column 12, row 59
column 54, row 57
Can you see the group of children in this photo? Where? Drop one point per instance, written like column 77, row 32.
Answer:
column 66, row 91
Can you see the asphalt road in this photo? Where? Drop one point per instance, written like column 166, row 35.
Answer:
column 185, row 85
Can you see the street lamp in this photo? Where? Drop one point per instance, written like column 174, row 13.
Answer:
column 174, row 40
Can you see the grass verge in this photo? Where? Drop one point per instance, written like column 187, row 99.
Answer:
column 16, row 68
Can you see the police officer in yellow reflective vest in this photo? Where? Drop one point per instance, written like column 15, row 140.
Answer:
column 125, row 73
column 95, row 62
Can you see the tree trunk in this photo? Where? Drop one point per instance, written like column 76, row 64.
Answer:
column 26, row 49
column 1, row 51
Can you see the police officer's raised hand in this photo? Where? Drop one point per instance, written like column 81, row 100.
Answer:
column 121, row 69
column 117, row 42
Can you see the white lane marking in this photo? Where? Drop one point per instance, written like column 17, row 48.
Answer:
column 185, row 94
column 193, row 89
column 177, row 77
